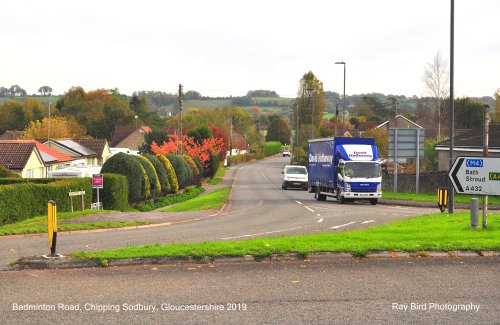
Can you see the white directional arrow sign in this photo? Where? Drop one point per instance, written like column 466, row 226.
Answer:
column 476, row 175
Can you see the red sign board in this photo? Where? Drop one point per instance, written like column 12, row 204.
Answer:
column 97, row 181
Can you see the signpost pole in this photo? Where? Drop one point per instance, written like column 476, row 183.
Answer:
column 485, row 154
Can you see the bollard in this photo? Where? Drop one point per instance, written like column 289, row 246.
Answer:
column 474, row 212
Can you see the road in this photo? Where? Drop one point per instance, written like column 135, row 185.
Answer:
column 340, row 291
column 258, row 207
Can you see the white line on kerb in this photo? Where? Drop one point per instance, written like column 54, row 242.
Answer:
column 308, row 208
column 340, row 226
column 368, row 221
column 298, row 202
column 261, row 233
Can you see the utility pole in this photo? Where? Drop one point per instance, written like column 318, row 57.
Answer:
column 181, row 100
column 48, row 134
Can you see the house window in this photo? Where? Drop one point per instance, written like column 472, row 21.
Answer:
column 29, row 173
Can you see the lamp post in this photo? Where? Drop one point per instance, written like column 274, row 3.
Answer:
column 136, row 117
column 343, row 99
column 297, row 134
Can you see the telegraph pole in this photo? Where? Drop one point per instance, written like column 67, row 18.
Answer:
column 181, row 100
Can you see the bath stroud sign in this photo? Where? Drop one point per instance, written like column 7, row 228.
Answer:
column 476, row 175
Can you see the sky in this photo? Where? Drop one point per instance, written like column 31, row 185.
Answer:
column 222, row 47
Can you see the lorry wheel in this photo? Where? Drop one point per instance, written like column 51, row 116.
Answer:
column 340, row 198
column 318, row 196
column 373, row 201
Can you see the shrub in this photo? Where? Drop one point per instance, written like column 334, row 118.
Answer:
column 124, row 164
column 172, row 177
column 181, row 170
column 26, row 200
column 152, row 176
column 146, row 192
column 194, row 169
column 7, row 173
column 114, row 194
column 213, row 165
column 199, row 165
column 271, row 148
column 161, row 173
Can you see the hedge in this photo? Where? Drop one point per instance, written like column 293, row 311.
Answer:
column 124, row 164
column 7, row 181
column 161, row 173
column 181, row 170
column 238, row 159
column 196, row 172
column 154, row 183
column 172, row 177
column 114, row 194
column 7, row 173
column 26, row 200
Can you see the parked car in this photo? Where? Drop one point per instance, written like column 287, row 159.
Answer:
column 286, row 153
column 294, row 177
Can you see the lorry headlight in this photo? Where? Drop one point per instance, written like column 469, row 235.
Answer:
column 347, row 187
column 379, row 187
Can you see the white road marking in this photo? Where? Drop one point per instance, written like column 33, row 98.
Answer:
column 299, row 202
column 261, row 233
column 368, row 221
column 308, row 208
column 320, row 220
column 340, row 226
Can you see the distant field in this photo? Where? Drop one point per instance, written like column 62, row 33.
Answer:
column 208, row 103
column 279, row 100
column 43, row 99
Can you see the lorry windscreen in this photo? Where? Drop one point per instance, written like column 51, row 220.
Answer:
column 362, row 169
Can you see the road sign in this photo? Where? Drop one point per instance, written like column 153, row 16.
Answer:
column 476, row 175
column 97, row 181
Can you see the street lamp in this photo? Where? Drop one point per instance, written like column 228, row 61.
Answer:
column 136, row 117
column 343, row 100
column 297, row 134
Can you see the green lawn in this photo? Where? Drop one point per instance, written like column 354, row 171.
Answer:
column 213, row 200
column 434, row 232
column 39, row 224
column 425, row 197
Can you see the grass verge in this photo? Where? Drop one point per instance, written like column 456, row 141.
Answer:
column 39, row 224
column 213, row 200
column 425, row 197
column 434, row 232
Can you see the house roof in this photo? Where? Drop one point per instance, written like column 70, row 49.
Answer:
column 75, row 147
column 473, row 139
column 48, row 154
column 399, row 119
column 96, row 145
column 11, row 135
column 15, row 155
column 121, row 132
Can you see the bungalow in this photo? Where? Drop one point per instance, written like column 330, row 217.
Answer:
column 23, row 158
column 468, row 144
column 129, row 137
column 78, row 150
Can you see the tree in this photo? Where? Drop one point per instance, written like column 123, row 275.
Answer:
column 310, row 103
column 44, row 90
column 381, row 140
column 436, row 79
column 430, row 162
column 279, row 130
column 60, row 127
column 200, row 133
column 156, row 135
column 15, row 90
column 468, row 113
column 496, row 119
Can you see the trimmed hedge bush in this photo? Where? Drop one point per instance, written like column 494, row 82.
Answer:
column 172, row 177
column 7, row 173
column 199, row 165
column 26, row 200
column 213, row 165
column 196, row 172
column 124, row 164
column 181, row 170
column 238, row 159
column 7, row 181
column 161, row 173
column 114, row 194
column 154, row 183
column 271, row 148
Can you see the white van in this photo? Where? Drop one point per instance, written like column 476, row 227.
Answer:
column 294, row 176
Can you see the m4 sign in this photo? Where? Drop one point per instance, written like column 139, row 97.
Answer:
column 476, row 175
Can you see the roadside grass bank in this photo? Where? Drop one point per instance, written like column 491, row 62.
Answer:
column 218, row 176
column 213, row 200
column 425, row 197
column 433, row 232
column 39, row 224
column 188, row 194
